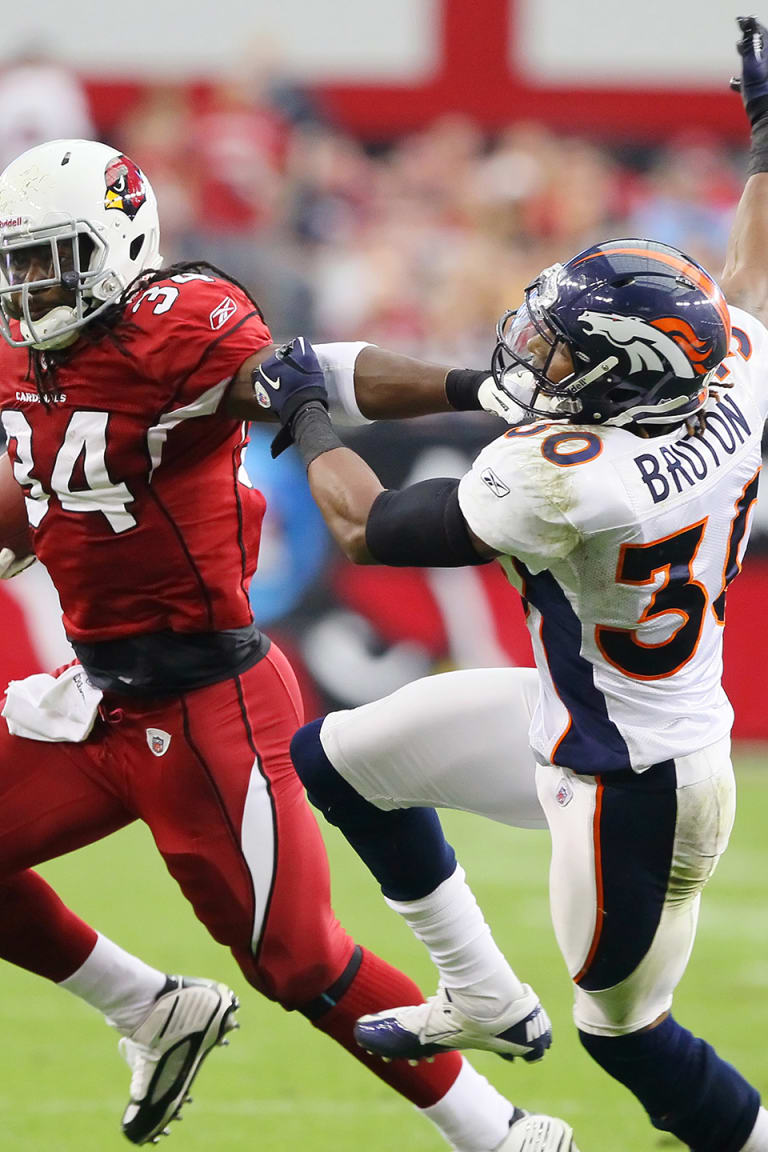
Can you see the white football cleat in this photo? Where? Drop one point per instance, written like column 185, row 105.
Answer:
column 537, row 1133
column 166, row 1050
column 420, row 1030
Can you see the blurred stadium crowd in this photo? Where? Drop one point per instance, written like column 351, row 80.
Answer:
column 421, row 242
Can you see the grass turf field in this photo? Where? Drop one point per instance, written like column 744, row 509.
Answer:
column 282, row 1086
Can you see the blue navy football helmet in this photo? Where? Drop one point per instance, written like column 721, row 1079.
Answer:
column 645, row 327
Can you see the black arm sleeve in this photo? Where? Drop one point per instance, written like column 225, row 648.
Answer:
column 421, row 526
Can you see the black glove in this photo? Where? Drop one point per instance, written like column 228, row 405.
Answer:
column 285, row 382
column 753, row 83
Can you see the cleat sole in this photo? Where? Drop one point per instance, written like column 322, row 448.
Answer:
column 227, row 1024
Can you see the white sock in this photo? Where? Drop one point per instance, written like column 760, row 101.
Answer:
column 471, row 966
column 472, row 1116
column 116, row 983
column 758, row 1139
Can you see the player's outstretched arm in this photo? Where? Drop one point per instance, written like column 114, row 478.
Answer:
column 382, row 385
column 745, row 277
column 417, row 526
column 421, row 526
column 389, row 386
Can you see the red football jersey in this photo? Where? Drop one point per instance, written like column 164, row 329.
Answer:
column 141, row 512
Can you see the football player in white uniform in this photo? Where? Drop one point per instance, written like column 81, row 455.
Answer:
column 621, row 514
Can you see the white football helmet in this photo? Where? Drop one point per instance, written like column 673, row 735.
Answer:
column 85, row 217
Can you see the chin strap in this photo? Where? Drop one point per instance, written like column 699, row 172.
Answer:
column 43, row 332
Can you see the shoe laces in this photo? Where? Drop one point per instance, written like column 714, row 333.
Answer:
column 440, row 1014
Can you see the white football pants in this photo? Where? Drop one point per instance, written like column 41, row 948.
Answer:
column 629, row 858
column 457, row 740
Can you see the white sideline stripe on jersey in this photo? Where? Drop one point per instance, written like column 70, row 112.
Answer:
column 205, row 405
column 257, row 840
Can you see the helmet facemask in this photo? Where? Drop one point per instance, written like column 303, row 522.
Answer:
column 67, row 257
column 529, row 379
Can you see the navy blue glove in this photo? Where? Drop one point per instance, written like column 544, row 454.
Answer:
column 285, row 382
column 753, row 83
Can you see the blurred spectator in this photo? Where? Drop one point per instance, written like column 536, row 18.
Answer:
column 236, row 155
column 155, row 134
column 328, row 185
column 688, row 200
column 237, row 146
column 237, row 149
column 41, row 100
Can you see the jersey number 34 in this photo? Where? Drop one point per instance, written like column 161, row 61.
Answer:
column 85, row 440
column 679, row 594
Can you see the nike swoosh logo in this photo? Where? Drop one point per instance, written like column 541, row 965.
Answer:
column 272, row 383
column 436, row 1035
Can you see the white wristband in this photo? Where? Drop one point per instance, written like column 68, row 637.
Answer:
column 337, row 361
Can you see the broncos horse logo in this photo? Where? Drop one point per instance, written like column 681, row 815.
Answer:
column 126, row 189
column 652, row 345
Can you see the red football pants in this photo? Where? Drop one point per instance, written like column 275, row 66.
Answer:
column 225, row 808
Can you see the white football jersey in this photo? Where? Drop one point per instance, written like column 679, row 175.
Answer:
column 623, row 548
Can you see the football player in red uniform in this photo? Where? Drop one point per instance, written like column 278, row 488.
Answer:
column 123, row 391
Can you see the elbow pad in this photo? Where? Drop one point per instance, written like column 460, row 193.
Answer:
column 421, row 526
column 338, row 364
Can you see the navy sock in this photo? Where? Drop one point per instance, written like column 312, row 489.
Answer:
column 405, row 850
column 682, row 1083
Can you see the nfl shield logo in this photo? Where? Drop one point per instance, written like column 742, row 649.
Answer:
column 158, row 741
column 564, row 793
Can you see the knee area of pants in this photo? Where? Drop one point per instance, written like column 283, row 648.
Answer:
column 316, row 772
column 321, row 988
column 307, row 753
column 326, row 788
column 293, row 985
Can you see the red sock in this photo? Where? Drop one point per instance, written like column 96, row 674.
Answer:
column 38, row 932
column 377, row 985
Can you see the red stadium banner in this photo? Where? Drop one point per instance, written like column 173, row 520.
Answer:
column 482, row 71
